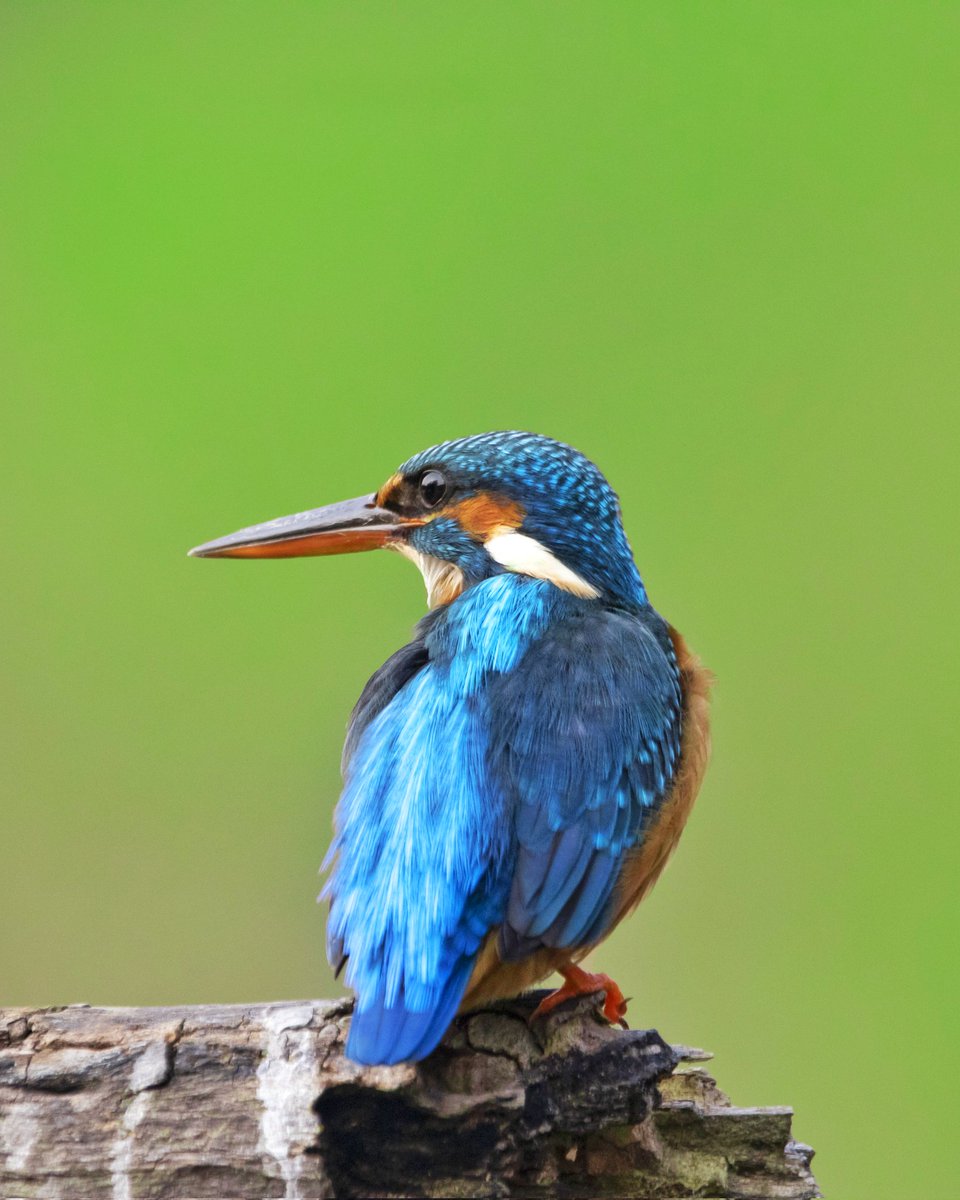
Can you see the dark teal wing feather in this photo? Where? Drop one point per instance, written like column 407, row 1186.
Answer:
column 584, row 739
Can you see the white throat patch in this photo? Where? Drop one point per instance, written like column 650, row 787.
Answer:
column 444, row 580
column 527, row 556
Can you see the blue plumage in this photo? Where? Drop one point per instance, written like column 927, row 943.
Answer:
column 507, row 771
column 498, row 788
column 423, row 847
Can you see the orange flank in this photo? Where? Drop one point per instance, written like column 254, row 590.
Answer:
column 645, row 864
column 578, row 982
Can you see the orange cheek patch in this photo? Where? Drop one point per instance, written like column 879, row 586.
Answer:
column 485, row 513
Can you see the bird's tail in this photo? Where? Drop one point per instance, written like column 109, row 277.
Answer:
column 382, row 1033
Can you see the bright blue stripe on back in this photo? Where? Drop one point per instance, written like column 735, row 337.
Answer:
column 423, row 849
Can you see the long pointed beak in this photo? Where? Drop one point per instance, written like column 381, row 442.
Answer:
column 340, row 528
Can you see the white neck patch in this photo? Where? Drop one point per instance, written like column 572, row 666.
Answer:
column 527, row 556
column 515, row 551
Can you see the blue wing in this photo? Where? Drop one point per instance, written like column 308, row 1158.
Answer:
column 497, row 770
column 584, row 741
column 423, row 848
column 399, row 669
column 415, row 886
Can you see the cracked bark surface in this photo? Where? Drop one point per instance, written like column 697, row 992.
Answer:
column 242, row 1101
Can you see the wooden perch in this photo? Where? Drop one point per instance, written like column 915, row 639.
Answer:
column 237, row 1101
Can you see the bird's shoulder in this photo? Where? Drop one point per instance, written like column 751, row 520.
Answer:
column 593, row 663
column 483, row 633
column 525, row 644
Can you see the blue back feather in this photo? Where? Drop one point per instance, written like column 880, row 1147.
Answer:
column 423, row 851
column 579, row 742
column 496, row 772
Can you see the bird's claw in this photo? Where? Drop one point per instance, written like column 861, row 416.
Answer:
column 578, row 982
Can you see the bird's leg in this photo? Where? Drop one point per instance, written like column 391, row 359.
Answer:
column 578, row 982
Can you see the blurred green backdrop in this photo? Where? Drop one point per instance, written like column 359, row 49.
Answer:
column 252, row 256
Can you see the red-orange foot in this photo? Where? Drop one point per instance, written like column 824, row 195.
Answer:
column 578, row 982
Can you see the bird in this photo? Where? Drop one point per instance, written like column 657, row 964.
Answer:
column 516, row 777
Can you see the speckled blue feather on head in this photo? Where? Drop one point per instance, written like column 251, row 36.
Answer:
column 568, row 504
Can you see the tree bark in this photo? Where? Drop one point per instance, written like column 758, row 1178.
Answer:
column 238, row 1101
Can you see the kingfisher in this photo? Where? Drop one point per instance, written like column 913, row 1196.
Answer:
column 517, row 776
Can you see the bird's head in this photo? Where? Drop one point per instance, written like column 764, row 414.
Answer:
column 468, row 509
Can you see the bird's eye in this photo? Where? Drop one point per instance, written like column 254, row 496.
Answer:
column 433, row 488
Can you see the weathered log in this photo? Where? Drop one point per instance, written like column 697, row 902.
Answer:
column 237, row 1101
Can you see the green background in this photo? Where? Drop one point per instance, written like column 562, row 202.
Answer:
column 254, row 255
